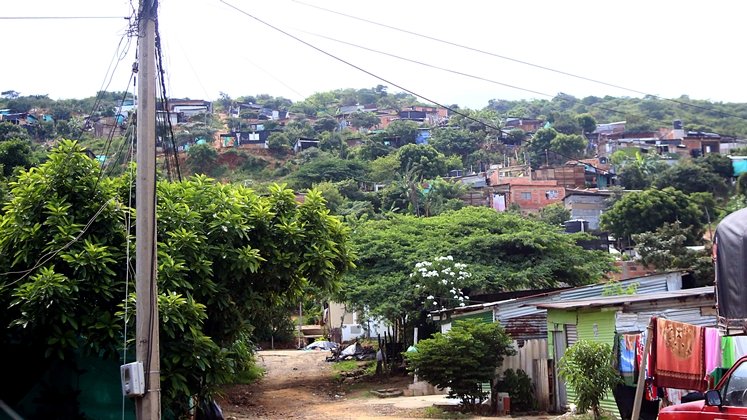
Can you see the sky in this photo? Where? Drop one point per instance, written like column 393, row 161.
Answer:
column 663, row 48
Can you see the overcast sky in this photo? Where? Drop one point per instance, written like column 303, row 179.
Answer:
column 665, row 48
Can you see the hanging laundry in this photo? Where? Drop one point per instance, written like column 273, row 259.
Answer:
column 740, row 346
column 650, row 391
column 712, row 349
column 627, row 348
column 728, row 357
column 679, row 355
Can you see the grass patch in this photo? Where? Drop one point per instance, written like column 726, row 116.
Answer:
column 250, row 375
column 438, row 413
column 345, row 366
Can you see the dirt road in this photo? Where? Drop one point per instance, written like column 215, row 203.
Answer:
column 299, row 385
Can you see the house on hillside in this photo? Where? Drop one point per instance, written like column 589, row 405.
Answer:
column 603, row 319
column 304, row 143
column 532, row 333
column 529, row 195
column 188, row 108
column 586, row 204
column 528, row 125
column 568, row 175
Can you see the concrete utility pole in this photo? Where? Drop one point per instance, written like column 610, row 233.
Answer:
column 149, row 406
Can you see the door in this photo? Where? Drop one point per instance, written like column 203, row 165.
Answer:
column 560, row 344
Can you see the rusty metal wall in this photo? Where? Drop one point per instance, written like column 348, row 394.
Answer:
column 531, row 357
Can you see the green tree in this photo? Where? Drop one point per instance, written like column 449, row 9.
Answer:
column 554, row 214
column 455, row 141
column 405, row 131
column 15, row 154
column 718, row 164
column 568, row 146
column 587, row 367
column 225, row 255
column 462, row 359
column 423, row 160
column 327, row 168
column 202, row 158
column 690, row 178
column 364, row 120
column 646, row 211
column 279, row 143
column 10, row 131
column 504, row 251
column 325, row 124
column 587, row 123
column 666, row 249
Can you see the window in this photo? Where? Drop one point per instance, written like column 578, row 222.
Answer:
column 735, row 390
column 526, row 196
column 551, row 194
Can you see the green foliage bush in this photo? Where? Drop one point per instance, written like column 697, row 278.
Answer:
column 462, row 359
column 225, row 255
column 587, row 367
column 519, row 386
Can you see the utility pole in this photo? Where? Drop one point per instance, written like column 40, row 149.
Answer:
column 147, row 351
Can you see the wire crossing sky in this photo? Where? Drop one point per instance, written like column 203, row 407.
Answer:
column 666, row 48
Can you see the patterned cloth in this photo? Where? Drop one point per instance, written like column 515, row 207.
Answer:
column 627, row 348
column 679, row 354
column 712, row 349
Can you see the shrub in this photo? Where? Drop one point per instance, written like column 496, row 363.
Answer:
column 462, row 359
column 587, row 367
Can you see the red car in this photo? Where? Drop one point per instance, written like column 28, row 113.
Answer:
column 727, row 402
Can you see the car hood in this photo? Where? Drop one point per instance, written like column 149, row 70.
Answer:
column 690, row 407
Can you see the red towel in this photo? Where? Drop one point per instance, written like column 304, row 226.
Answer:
column 679, row 354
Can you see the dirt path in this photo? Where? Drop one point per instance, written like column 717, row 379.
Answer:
column 299, row 385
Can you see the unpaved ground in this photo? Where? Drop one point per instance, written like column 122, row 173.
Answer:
column 300, row 385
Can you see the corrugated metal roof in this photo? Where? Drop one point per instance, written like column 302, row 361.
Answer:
column 627, row 299
column 637, row 321
column 646, row 284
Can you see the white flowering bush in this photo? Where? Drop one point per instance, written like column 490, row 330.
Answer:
column 439, row 283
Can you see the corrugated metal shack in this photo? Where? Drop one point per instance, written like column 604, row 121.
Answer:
column 599, row 319
column 528, row 324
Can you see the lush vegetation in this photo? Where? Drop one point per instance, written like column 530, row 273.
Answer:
column 588, row 368
column 462, row 360
column 224, row 255
column 502, row 251
column 236, row 255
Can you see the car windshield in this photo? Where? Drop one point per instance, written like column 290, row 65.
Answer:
column 735, row 389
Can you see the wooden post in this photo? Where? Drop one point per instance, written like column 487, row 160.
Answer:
column 641, row 385
column 147, row 322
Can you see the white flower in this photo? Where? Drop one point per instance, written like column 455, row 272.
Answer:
column 434, row 302
column 466, row 297
column 449, row 257
column 430, row 297
column 417, row 286
column 461, row 298
column 444, row 281
column 461, row 304
column 225, row 229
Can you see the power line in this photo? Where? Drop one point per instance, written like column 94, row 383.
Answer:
column 59, row 17
column 492, row 54
column 357, row 67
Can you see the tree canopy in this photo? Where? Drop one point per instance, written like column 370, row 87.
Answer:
column 502, row 250
column 224, row 255
column 646, row 211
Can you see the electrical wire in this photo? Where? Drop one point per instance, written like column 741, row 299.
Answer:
column 492, row 54
column 450, row 109
column 128, row 228
column 49, row 255
column 165, row 100
column 60, row 17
